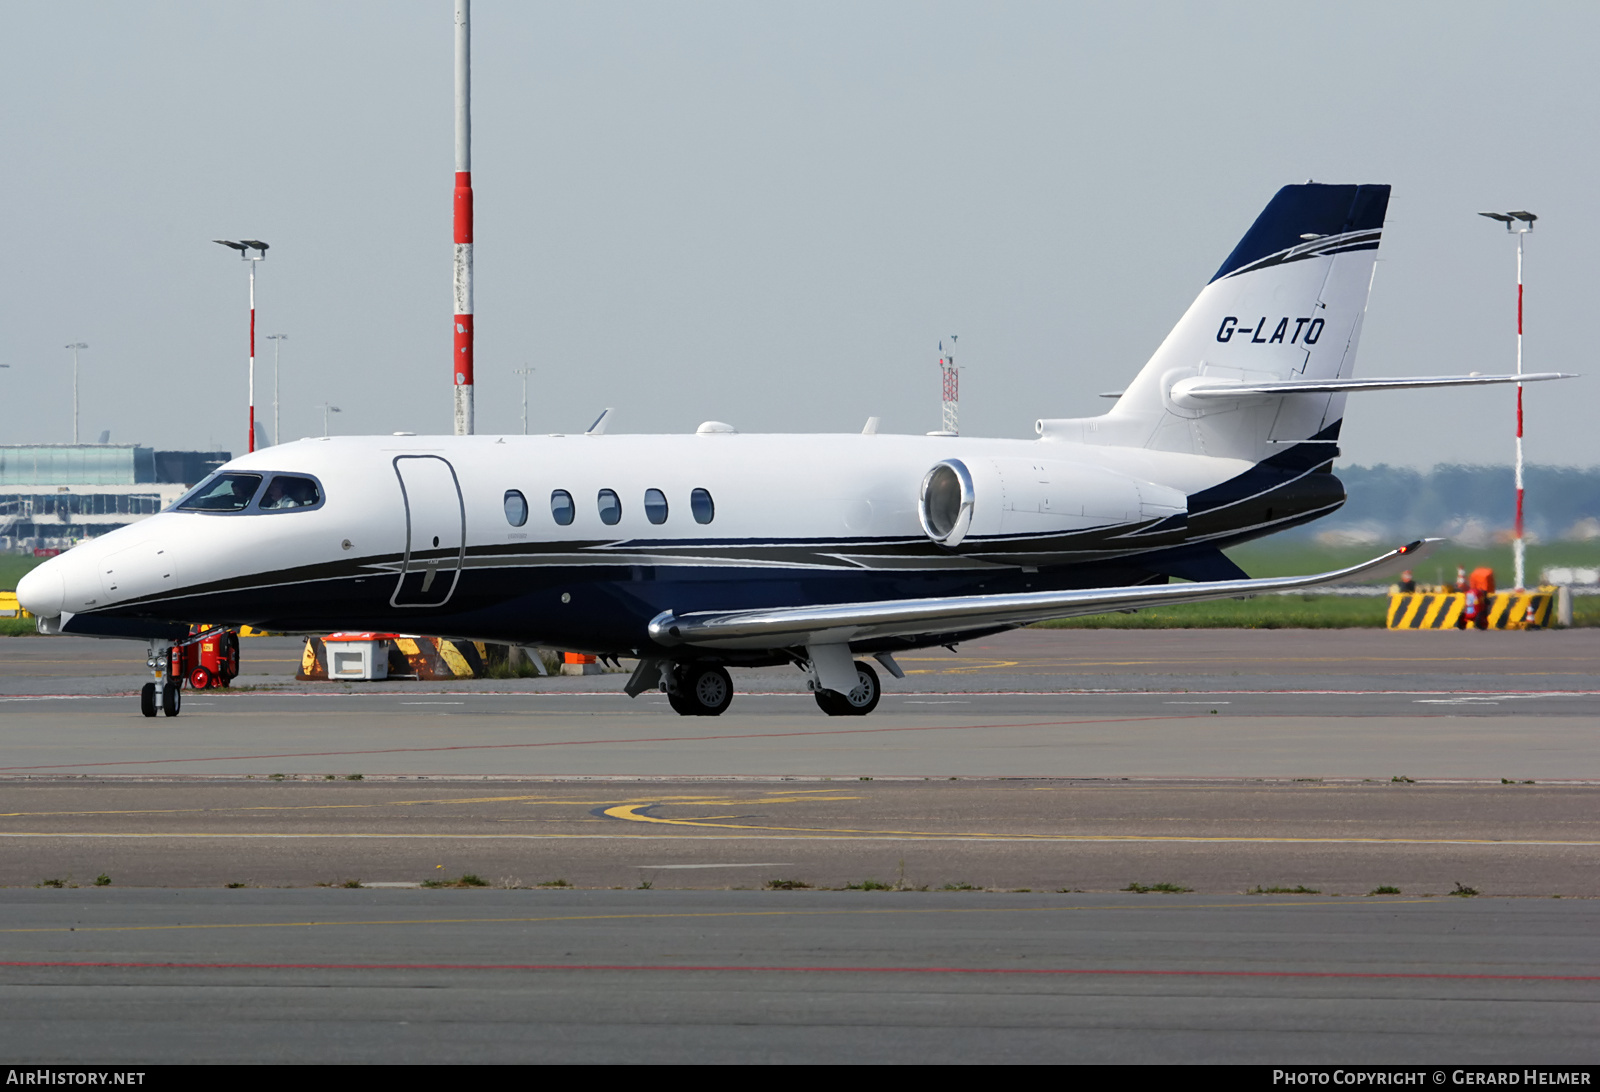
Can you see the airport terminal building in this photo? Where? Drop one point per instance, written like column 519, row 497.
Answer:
column 55, row 495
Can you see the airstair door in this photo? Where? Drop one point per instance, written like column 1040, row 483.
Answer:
column 436, row 531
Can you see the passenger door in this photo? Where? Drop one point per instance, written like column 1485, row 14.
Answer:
column 436, row 524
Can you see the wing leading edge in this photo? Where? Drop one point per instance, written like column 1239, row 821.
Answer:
column 844, row 622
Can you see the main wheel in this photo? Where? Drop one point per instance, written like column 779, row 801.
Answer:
column 859, row 702
column 172, row 698
column 201, row 677
column 711, row 689
column 147, row 699
column 703, row 690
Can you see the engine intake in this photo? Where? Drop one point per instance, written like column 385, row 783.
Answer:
column 945, row 508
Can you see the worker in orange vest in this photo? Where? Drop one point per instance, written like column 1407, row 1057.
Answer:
column 1480, row 593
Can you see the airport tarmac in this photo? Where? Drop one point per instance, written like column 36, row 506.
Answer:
column 1051, row 772
column 460, row 977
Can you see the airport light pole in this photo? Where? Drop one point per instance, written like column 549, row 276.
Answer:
column 524, row 372
column 244, row 247
column 1518, row 223
column 461, row 356
column 327, row 409
column 277, row 344
column 75, row 346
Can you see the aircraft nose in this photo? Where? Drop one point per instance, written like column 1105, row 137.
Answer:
column 43, row 591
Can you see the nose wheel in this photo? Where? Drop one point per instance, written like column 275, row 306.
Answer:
column 169, row 699
column 166, row 693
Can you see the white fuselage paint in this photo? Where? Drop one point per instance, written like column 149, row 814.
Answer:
column 830, row 492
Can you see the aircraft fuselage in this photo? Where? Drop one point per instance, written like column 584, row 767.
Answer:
column 460, row 536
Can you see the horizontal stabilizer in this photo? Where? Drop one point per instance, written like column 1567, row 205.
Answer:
column 843, row 622
column 1202, row 388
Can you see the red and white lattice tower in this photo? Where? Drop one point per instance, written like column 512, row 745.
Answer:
column 461, row 356
column 952, row 387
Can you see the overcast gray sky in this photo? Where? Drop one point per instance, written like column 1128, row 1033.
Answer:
column 767, row 213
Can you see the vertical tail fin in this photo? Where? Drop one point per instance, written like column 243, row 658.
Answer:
column 1286, row 304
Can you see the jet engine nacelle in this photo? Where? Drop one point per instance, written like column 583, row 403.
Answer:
column 962, row 498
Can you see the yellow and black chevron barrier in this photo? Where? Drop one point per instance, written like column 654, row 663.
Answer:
column 416, row 657
column 1442, row 610
column 1425, row 610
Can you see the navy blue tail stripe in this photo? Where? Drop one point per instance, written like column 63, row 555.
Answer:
column 1311, row 209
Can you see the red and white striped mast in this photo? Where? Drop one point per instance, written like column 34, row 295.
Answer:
column 244, row 246
column 1518, row 223
column 461, row 357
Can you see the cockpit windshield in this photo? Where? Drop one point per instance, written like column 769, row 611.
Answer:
column 222, row 493
column 285, row 492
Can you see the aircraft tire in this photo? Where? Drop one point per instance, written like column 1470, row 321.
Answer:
column 681, row 705
column 172, row 698
column 147, row 699
column 831, row 703
column 859, row 702
column 706, row 689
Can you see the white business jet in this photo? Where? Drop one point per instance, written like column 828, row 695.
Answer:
column 698, row 553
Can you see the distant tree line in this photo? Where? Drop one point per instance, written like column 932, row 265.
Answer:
column 1443, row 500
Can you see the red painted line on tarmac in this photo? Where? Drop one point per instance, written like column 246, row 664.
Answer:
column 689, row 967
column 592, row 742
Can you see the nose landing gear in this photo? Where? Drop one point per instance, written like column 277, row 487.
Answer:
column 165, row 693
column 208, row 657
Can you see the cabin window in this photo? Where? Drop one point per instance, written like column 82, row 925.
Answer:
column 516, row 508
column 700, row 504
column 285, row 492
column 561, row 507
column 610, row 507
column 223, row 493
column 655, row 506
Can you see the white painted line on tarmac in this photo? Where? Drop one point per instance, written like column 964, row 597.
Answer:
column 753, row 864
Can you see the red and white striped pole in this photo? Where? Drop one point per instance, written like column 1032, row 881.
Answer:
column 1521, row 546
column 244, row 247
column 252, row 356
column 461, row 357
column 1519, row 223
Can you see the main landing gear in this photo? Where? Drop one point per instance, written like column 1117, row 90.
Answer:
column 699, row 690
column 705, row 690
column 858, row 702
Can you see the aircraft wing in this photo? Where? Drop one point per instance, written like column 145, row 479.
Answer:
column 1205, row 388
column 844, row 622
